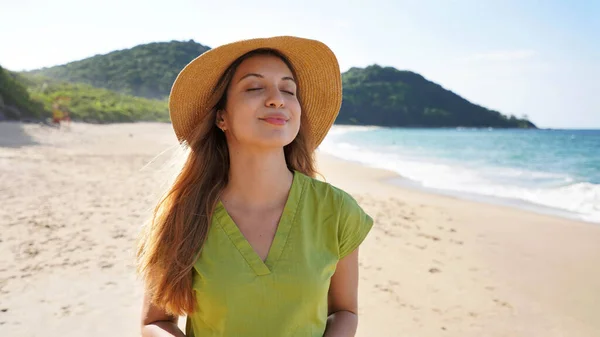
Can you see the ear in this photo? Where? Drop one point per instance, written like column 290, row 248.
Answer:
column 220, row 120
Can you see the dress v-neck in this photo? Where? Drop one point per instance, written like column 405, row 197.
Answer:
column 282, row 232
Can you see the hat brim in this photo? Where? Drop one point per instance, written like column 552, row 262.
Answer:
column 316, row 67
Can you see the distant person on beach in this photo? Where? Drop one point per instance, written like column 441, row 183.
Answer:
column 57, row 116
column 247, row 242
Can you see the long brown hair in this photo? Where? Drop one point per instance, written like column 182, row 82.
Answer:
column 169, row 245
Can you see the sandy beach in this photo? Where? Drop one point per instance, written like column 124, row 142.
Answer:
column 73, row 201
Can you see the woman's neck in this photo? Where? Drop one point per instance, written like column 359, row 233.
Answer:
column 257, row 180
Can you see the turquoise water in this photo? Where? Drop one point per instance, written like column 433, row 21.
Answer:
column 556, row 169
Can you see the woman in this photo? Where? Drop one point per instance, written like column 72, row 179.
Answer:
column 247, row 242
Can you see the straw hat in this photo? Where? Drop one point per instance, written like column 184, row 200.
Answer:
column 316, row 67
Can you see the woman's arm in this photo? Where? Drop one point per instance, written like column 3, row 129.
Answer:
column 157, row 323
column 342, row 300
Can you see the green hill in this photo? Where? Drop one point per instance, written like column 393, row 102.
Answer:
column 146, row 70
column 90, row 104
column 386, row 96
column 15, row 101
column 372, row 96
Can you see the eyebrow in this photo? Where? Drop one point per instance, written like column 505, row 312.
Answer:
column 285, row 78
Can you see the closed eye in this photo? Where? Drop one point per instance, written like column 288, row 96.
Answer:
column 286, row 91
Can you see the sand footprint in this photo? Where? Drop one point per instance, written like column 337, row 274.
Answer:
column 503, row 303
column 429, row 236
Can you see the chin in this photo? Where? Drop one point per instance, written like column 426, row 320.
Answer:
column 272, row 143
column 275, row 141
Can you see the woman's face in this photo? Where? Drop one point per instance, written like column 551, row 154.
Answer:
column 262, row 109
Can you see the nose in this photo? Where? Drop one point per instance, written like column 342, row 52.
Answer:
column 274, row 99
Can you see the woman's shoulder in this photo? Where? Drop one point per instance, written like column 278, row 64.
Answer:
column 325, row 192
column 326, row 201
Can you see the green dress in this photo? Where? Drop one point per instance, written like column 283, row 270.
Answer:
column 286, row 295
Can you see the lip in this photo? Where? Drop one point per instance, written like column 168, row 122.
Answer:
column 275, row 119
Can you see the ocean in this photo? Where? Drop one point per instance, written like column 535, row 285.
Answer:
column 550, row 171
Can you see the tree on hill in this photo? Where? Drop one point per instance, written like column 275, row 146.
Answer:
column 90, row 104
column 146, row 70
column 15, row 101
column 378, row 95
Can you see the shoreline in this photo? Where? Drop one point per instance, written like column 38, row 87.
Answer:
column 540, row 200
column 490, row 200
column 394, row 180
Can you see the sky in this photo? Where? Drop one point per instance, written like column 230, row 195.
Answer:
column 534, row 58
